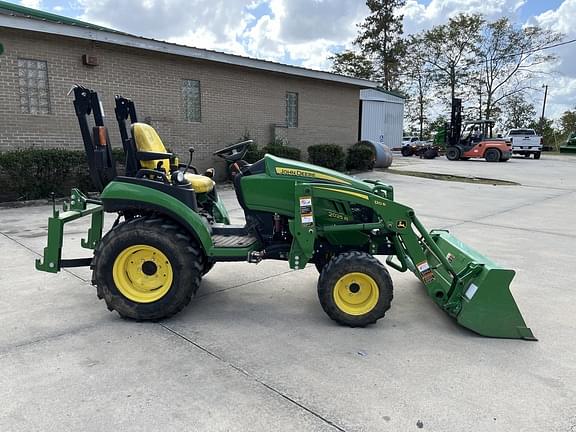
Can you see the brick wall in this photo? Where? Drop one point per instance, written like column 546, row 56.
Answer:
column 234, row 99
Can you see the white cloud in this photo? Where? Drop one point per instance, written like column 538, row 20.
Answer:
column 418, row 16
column 202, row 23
column 562, row 84
column 35, row 4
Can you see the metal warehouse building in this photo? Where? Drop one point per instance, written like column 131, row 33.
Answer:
column 191, row 96
column 382, row 115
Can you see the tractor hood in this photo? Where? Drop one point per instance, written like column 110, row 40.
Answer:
column 280, row 167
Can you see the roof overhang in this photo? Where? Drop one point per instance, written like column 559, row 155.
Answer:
column 122, row 39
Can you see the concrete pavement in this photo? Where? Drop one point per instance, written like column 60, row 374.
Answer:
column 255, row 352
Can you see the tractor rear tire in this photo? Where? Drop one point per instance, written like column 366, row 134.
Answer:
column 355, row 289
column 430, row 153
column 407, row 151
column 453, row 153
column 492, row 155
column 147, row 268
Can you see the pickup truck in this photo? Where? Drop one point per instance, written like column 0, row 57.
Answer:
column 525, row 142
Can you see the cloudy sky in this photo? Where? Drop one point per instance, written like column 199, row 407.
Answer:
column 306, row 32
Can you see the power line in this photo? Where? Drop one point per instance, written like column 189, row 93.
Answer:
column 532, row 51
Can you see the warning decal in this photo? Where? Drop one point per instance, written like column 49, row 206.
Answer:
column 425, row 272
column 423, row 266
column 306, row 215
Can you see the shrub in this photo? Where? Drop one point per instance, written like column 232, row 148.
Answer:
column 360, row 157
column 277, row 148
column 34, row 173
column 253, row 154
column 327, row 155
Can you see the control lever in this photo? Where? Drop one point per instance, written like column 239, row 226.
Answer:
column 191, row 151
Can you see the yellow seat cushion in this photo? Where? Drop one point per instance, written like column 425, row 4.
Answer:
column 147, row 140
column 200, row 183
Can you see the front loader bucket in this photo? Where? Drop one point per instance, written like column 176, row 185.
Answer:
column 479, row 296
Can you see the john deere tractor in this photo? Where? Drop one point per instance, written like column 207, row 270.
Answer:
column 171, row 228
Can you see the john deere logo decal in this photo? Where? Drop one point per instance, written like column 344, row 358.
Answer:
column 295, row 172
column 401, row 224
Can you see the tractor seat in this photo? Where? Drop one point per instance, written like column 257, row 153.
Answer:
column 200, row 183
column 147, row 139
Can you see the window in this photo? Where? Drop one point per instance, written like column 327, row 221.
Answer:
column 291, row 109
column 191, row 96
column 33, row 83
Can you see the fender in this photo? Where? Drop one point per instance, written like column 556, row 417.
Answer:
column 121, row 195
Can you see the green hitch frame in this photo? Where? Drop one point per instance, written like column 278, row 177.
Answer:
column 79, row 206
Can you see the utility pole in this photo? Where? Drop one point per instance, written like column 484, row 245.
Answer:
column 545, row 86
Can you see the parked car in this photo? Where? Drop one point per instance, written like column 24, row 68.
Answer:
column 407, row 140
column 525, row 142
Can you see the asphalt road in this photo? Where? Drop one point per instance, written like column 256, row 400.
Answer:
column 255, row 352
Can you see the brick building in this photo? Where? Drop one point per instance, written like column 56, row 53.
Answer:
column 191, row 96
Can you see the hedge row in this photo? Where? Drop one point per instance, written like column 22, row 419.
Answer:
column 275, row 148
column 359, row 157
column 34, row 173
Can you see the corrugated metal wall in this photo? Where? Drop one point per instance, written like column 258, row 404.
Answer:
column 382, row 118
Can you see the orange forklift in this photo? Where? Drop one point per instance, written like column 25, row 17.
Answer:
column 474, row 140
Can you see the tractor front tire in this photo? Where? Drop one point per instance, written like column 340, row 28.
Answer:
column 453, row 153
column 147, row 268
column 355, row 289
column 492, row 155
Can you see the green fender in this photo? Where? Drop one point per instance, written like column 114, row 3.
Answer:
column 137, row 194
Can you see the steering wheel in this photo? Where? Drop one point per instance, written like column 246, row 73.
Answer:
column 234, row 152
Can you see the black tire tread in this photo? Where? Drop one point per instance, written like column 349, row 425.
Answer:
column 457, row 155
column 181, row 241
column 492, row 150
column 346, row 260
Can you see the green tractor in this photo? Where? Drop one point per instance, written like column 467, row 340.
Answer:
column 171, row 228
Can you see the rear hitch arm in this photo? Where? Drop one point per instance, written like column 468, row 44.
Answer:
column 79, row 206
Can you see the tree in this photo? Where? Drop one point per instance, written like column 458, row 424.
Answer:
column 353, row 64
column 546, row 129
column 568, row 122
column 380, row 39
column 451, row 48
column 417, row 76
column 508, row 58
column 517, row 112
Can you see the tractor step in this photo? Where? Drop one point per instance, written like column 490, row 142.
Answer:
column 233, row 241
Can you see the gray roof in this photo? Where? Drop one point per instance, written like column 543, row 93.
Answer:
column 23, row 18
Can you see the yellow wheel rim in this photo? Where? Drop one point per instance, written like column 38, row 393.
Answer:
column 142, row 273
column 356, row 293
